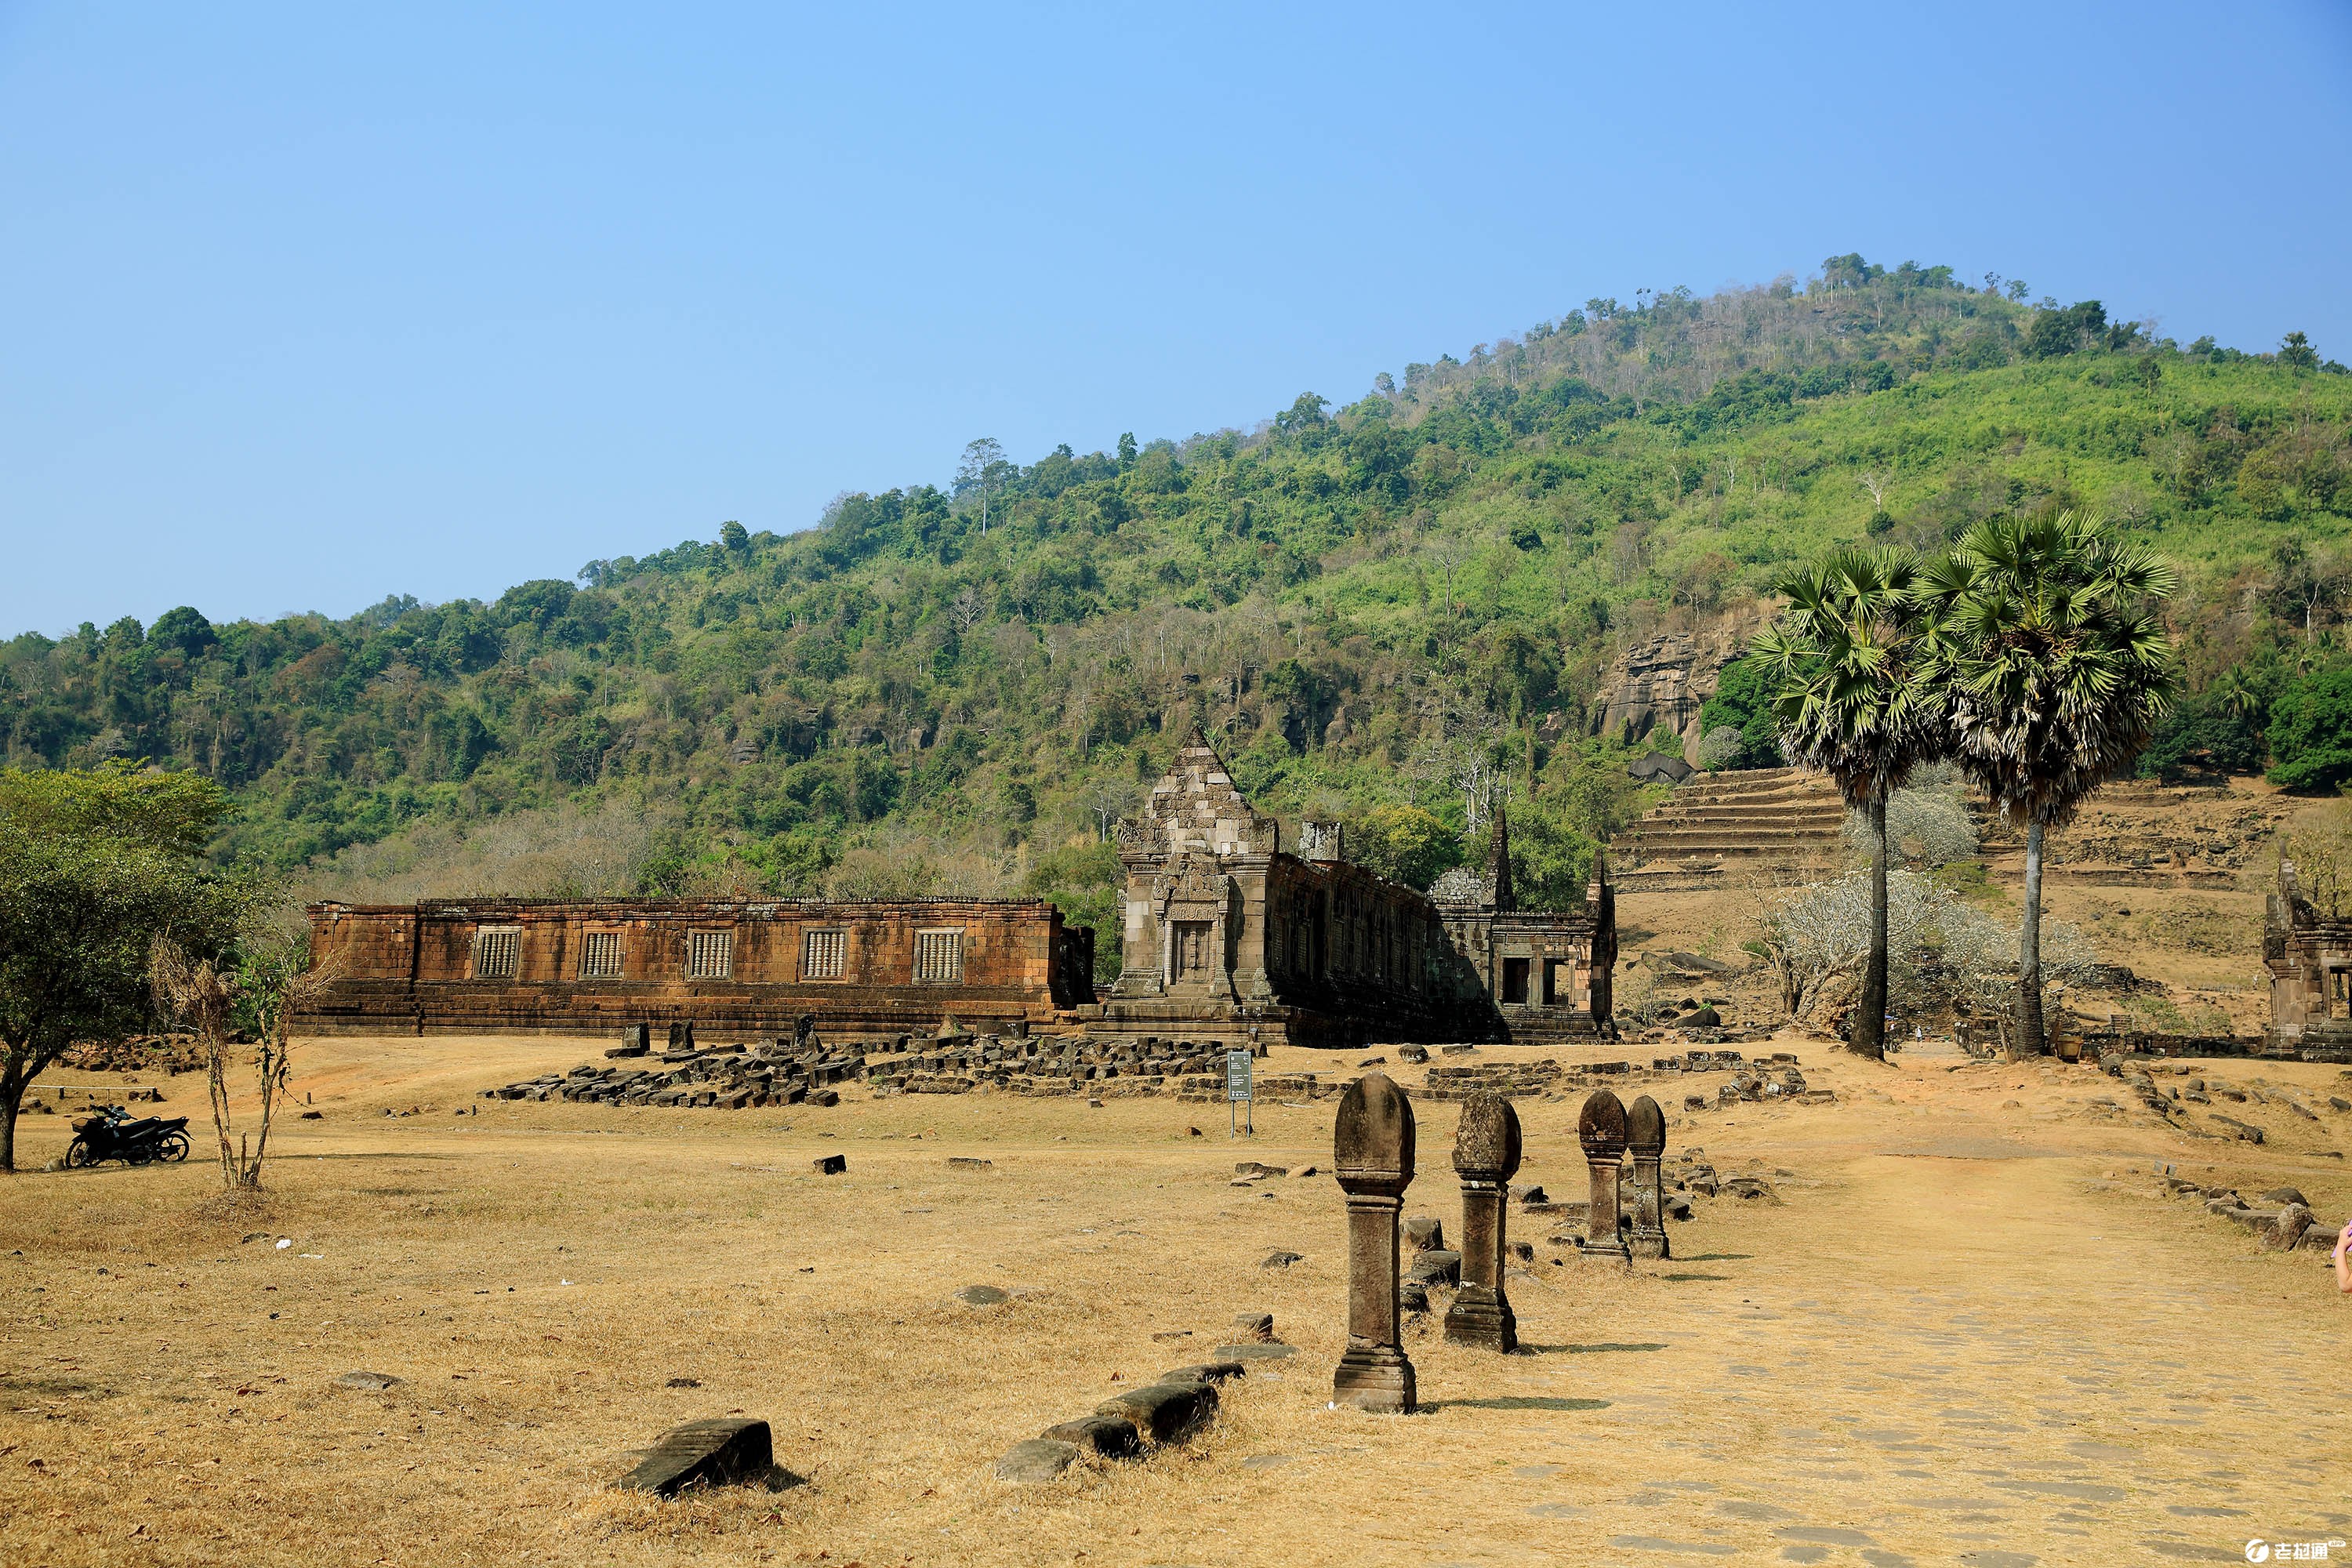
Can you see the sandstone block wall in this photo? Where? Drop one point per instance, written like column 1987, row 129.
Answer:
column 554, row 966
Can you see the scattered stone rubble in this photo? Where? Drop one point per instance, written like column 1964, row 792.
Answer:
column 137, row 1053
column 1767, row 1077
column 730, row 1077
column 1191, row 1070
column 807, row 1069
column 2171, row 1101
column 2281, row 1219
column 788, row 1072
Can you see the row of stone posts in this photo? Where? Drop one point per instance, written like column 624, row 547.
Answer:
column 1610, row 1133
column 1373, row 1155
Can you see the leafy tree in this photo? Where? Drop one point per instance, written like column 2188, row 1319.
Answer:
column 183, row 628
column 982, row 474
column 2056, row 332
column 1551, row 859
column 2310, row 732
column 1404, row 842
column 1087, row 884
column 1743, row 701
column 93, row 867
column 1847, row 665
column 2057, row 670
column 2297, row 353
column 2222, row 727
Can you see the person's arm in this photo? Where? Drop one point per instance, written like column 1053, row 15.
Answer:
column 2343, row 1264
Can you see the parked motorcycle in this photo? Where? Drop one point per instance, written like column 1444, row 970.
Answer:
column 112, row 1134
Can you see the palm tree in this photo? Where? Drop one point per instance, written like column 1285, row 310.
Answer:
column 1845, row 673
column 2055, row 667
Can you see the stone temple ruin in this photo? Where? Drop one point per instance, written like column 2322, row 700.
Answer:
column 1228, row 934
column 2309, row 956
column 1230, row 940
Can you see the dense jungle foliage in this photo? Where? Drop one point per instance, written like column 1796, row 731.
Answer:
column 1387, row 610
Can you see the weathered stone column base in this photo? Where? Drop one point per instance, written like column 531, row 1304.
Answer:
column 1376, row 1378
column 1482, row 1316
column 1644, row 1244
column 1617, row 1256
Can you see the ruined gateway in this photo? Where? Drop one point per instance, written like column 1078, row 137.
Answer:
column 1228, row 938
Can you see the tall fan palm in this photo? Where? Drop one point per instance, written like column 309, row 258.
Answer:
column 1844, row 670
column 2056, row 668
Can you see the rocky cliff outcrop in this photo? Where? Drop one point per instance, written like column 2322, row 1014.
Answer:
column 1665, row 679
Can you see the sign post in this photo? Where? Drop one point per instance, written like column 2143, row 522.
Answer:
column 1239, row 1103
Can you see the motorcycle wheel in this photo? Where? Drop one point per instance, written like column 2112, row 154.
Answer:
column 172, row 1146
column 80, row 1155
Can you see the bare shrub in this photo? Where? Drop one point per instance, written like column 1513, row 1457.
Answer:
column 1938, row 950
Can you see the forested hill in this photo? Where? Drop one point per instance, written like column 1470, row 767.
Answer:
column 1369, row 606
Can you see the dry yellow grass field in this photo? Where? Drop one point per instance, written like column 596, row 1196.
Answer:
column 1968, row 1330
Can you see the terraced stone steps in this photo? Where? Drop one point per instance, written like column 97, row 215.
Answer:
column 1718, row 824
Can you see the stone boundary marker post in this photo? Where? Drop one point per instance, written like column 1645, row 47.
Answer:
column 1486, row 1156
column 1601, row 1130
column 1645, row 1139
column 1372, row 1156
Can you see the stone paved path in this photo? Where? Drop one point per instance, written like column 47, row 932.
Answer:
column 1969, row 1360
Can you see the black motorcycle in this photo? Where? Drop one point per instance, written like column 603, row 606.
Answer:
column 111, row 1134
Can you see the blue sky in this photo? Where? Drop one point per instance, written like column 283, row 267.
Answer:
column 306, row 305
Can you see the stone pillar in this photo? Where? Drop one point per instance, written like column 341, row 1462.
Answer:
column 1372, row 1157
column 1487, row 1155
column 1645, row 1140
column 1601, row 1130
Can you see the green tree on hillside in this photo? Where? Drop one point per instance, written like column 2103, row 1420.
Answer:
column 1404, row 842
column 1848, row 668
column 1336, row 590
column 2057, row 670
column 2310, row 732
column 1743, row 703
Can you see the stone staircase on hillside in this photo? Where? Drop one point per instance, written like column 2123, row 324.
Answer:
column 1718, row 829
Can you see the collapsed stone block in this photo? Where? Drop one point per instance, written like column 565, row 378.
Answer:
column 1112, row 1437
column 717, row 1453
column 1036, row 1460
column 1256, row 1350
column 1165, row 1411
column 1438, row 1266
